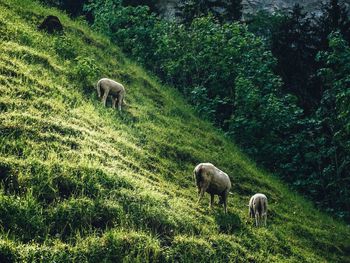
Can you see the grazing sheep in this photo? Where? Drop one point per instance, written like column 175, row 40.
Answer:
column 213, row 181
column 258, row 208
column 113, row 88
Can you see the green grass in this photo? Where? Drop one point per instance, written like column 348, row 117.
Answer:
column 84, row 183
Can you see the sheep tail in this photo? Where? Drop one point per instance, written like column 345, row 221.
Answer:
column 125, row 103
column 259, row 207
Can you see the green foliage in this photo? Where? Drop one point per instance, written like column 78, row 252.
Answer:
column 129, row 26
column 334, row 122
column 73, row 8
column 264, row 24
column 152, row 4
column 294, row 42
column 85, row 70
column 312, row 160
column 335, row 17
column 223, row 10
column 203, row 104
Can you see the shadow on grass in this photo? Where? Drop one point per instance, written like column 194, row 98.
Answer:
column 228, row 223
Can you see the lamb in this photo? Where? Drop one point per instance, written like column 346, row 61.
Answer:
column 113, row 88
column 258, row 208
column 213, row 181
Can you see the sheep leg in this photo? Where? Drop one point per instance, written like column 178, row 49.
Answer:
column 201, row 194
column 260, row 220
column 265, row 209
column 221, row 200
column 256, row 219
column 120, row 100
column 104, row 98
column 251, row 212
column 203, row 187
column 114, row 102
column 211, row 201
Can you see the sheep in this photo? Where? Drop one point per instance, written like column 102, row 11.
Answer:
column 113, row 88
column 258, row 208
column 213, row 181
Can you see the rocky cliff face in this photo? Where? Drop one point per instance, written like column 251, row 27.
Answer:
column 167, row 7
column 253, row 6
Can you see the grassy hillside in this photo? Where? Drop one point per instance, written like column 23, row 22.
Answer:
column 80, row 182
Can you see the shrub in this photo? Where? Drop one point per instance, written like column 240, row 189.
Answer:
column 86, row 71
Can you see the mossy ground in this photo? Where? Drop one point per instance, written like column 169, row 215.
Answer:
column 84, row 183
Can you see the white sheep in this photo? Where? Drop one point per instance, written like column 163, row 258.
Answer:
column 258, row 208
column 112, row 88
column 213, row 181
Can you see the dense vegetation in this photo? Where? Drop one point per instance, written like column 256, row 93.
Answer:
column 223, row 10
column 275, row 85
column 83, row 183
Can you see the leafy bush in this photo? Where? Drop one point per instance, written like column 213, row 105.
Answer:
column 333, row 117
column 74, row 8
column 224, row 10
column 86, row 71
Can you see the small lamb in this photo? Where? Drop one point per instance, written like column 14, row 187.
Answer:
column 258, row 208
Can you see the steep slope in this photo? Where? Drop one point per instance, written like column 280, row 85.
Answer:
column 81, row 182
